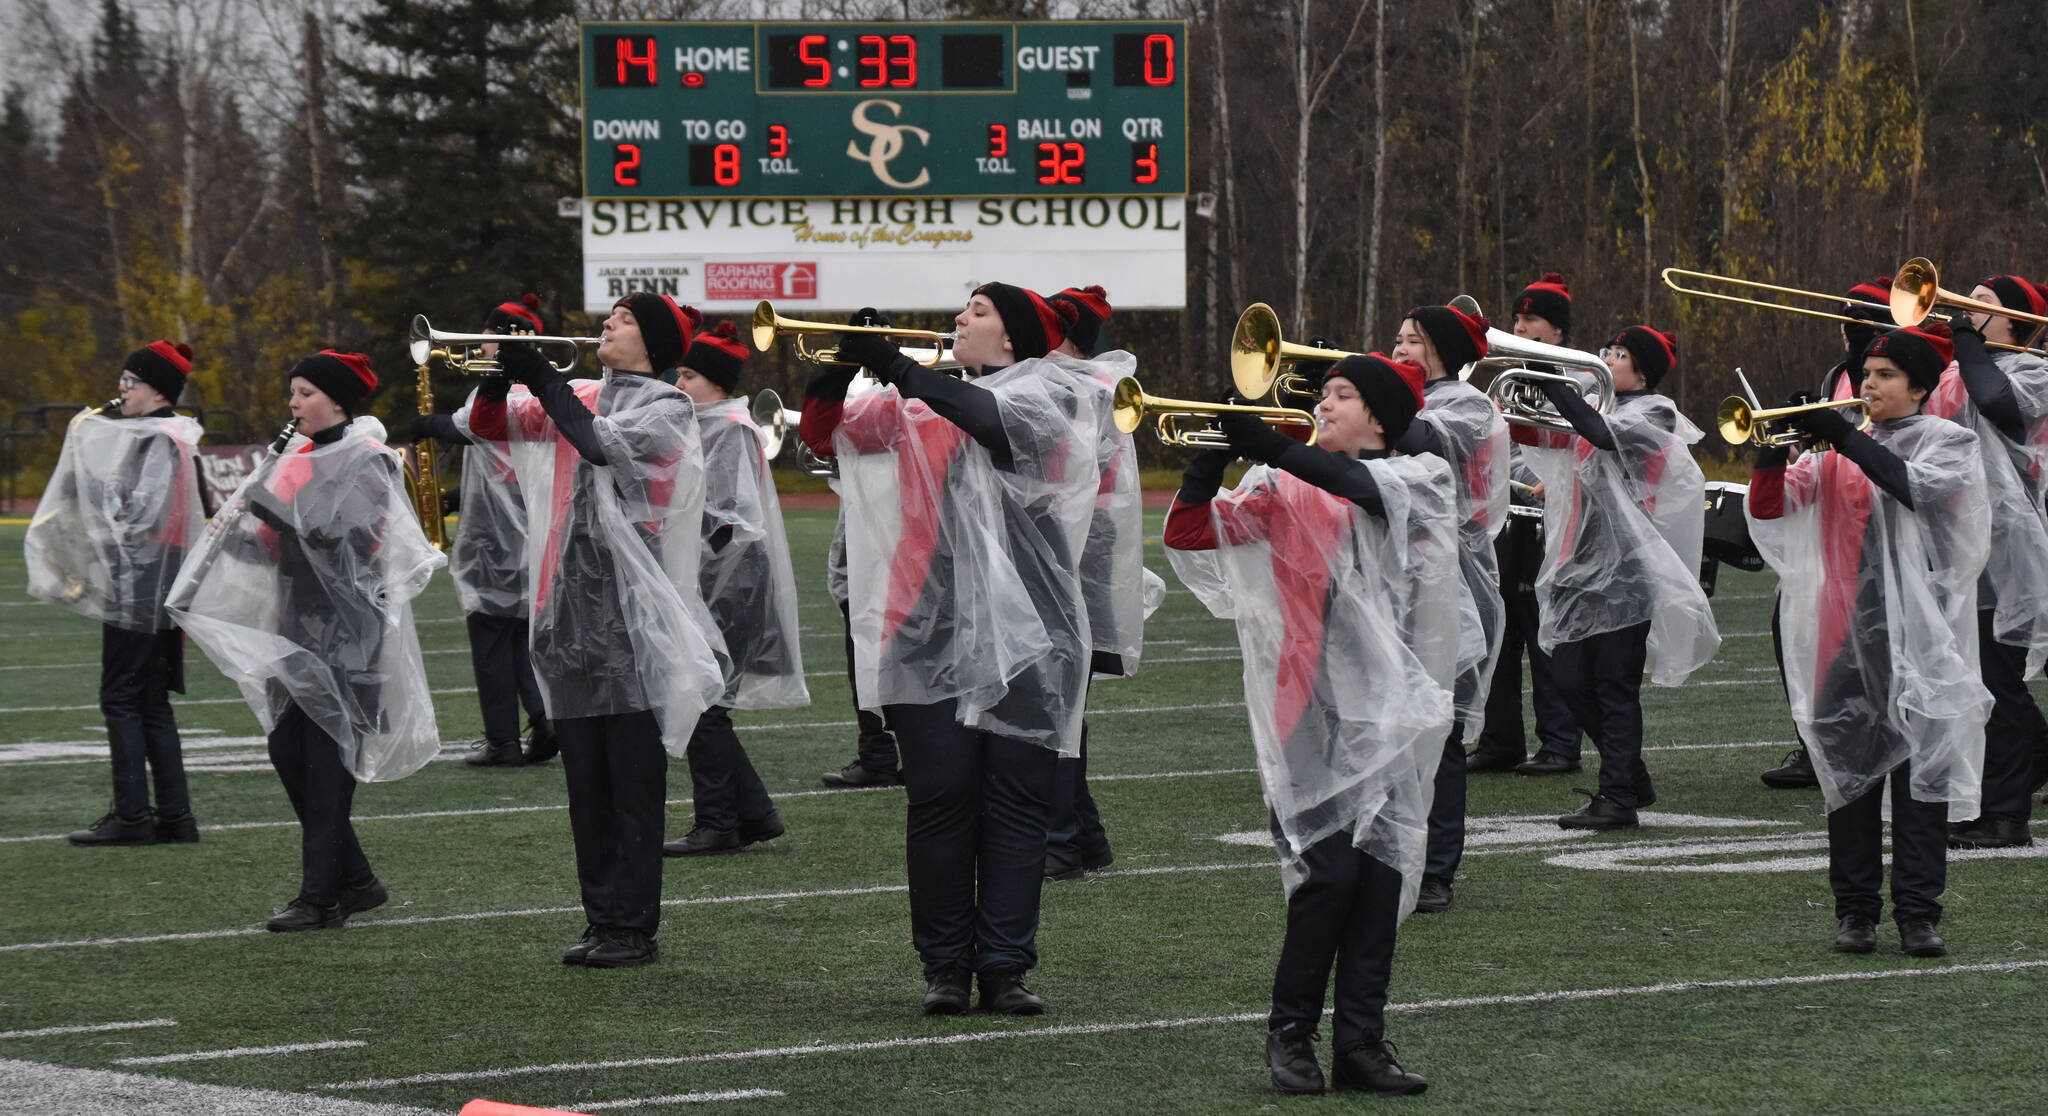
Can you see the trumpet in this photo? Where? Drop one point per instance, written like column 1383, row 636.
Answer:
column 1261, row 362
column 1741, row 422
column 768, row 325
column 1131, row 407
column 1517, row 389
column 464, row 351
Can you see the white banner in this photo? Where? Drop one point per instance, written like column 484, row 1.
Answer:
column 897, row 254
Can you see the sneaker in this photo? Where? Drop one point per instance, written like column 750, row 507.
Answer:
column 767, row 828
column 1371, row 1068
column 621, row 949
column 115, row 830
column 1599, row 813
column 541, row 745
column 1004, row 992
column 486, row 754
column 702, row 841
column 854, row 775
column 1796, row 773
column 367, row 897
column 1291, row 1059
column 301, row 915
column 176, row 829
column 1435, row 896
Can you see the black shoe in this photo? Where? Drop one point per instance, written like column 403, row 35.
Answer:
column 368, row 897
column 1372, row 1069
column 854, row 775
column 1855, row 934
column 1600, row 812
column 1483, row 759
column 176, row 829
column 1291, row 1059
column 1096, row 859
column 1435, row 896
column 541, row 745
column 301, row 915
column 1796, row 773
column 1060, row 868
column 621, row 949
column 575, row 954
column 767, row 829
column 487, row 754
column 1918, row 939
column 1990, row 833
column 1004, row 992
column 700, row 841
column 1547, row 764
column 115, row 830
column 945, row 992
column 1646, row 792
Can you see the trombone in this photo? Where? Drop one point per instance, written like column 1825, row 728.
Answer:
column 1518, row 389
column 768, row 325
column 464, row 351
column 1917, row 290
column 1740, row 421
column 1262, row 363
column 1130, row 407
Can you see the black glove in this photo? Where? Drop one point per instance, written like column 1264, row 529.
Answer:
column 1253, row 438
column 271, row 517
column 869, row 316
column 873, row 352
column 1827, row 425
column 1772, row 457
column 451, row 501
column 494, row 388
column 1203, row 477
column 523, row 362
column 1962, row 326
column 828, row 384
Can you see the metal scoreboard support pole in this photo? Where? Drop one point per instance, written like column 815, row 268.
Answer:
column 828, row 166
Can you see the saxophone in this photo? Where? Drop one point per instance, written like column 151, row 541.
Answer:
column 423, row 481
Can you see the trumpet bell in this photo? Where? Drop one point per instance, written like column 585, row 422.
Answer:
column 1739, row 422
column 770, row 421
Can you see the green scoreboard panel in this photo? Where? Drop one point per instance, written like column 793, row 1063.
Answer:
column 822, row 110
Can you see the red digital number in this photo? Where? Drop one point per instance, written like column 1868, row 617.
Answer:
column 1145, row 163
column 778, row 141
column 874, row 55
column 890, row 61
column 624, row 56
column 725, row 164
column 998, row 140
column 1061, row 164
column 906, row 57
column 1159, row 65
column 804, row 52
column 626, row 164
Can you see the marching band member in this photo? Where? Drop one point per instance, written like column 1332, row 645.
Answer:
column 1461, row 425
column 1879, row 545
column 2003, row 398
column 1542, row 312
column 968, row 505
column 106, row 542
column 303, row 596
column 1620, row 586
column 1339, row 563
column 625, row 652
column 747, row 581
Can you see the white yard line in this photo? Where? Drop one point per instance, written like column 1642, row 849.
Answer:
column 677, row 1098
column 240, row 1052
column 88, row 1028
column 31, row 1087
column 1559, row 996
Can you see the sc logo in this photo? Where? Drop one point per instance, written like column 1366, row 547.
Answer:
column 888, row 143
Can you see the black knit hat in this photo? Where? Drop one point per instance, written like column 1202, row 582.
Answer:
column 163, row 365
column 345, row 378
column 717, row 355
column 2016, row 293
column 665, row 328
column 1547, row 298
column 1922, row 354
column 1091, row 311
column 1392, row 389
column 1035, row 326
column 1459, row 338
column 516, row 317
column 1654, row 354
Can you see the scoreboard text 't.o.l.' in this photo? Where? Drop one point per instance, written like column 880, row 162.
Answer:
column 822, row 110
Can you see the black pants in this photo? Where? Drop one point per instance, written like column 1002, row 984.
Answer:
column 1073, row 831
column 504, row 674
column 1601, row 678
column 1344, row 913
column 1919, row 854
column 1778, row 652
column 877, row 747
column 724, row 788
column 618, row 778
column 1446, row 848
column 308, row 763
column 2016, row 736
column 137, row 672
column 1556, row 733
column 974, row 840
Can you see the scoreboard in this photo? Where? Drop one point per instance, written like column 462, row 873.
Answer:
column 1072, row 108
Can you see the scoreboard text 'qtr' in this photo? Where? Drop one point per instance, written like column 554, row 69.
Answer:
column 963, row 109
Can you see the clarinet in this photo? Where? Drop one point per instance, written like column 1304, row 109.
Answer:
column 195, row 568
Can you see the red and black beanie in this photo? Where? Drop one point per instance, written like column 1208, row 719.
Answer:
column 1458, row 337
column 1036, row 327
column 516, row 317
column 1392, row 389
column 345, row 378
column 717, row 355
column 1655, row 354
column 1547, row 298
column 1923, row 354
column 163, row 365
column 2016, row 293
column 1091, row 310
column 665, row 328
column 1877, row 290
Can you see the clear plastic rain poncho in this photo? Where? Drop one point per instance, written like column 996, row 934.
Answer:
column 488, row 558
column 1476, row 437
column 746, row 576
column 964, row 577
column 302, row 593
column 114, row 521
column 1120, row 592
column 1622, row 535
column 1878, row 611
column 2016, row 572
column 1349, row 627
column 617, row 625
